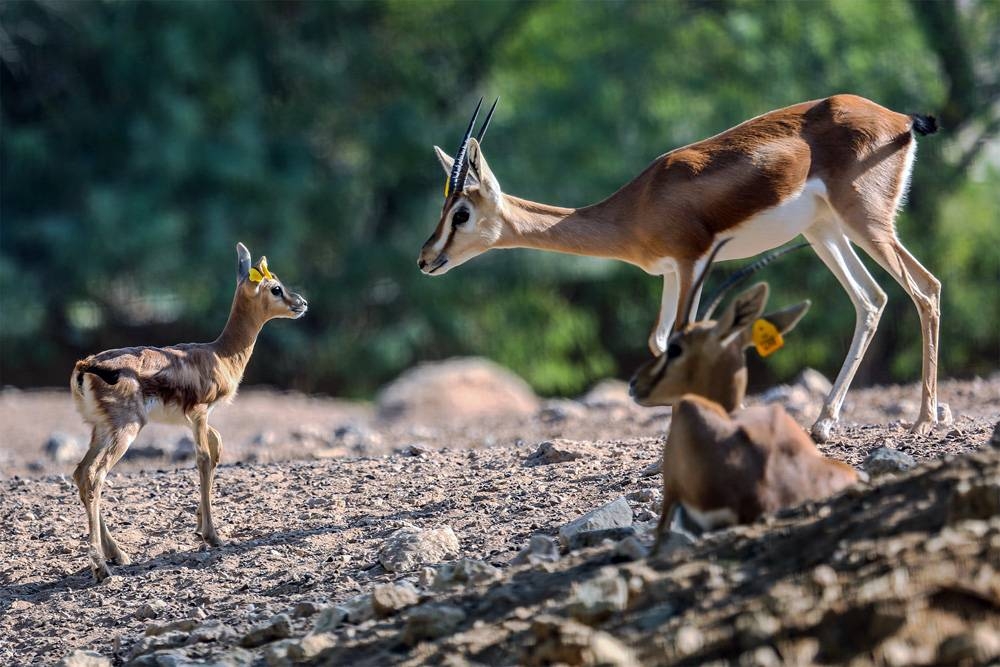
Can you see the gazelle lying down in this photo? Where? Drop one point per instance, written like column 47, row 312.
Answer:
column 722, row 463
column 118, row 392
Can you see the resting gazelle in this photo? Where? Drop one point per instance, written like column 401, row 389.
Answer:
column 725, row 464
column 835, row 170
column 117, row 392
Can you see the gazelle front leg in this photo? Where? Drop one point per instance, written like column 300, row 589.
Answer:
column 208, row 444
column 668, row 312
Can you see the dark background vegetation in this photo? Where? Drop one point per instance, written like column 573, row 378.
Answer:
column 141, row 140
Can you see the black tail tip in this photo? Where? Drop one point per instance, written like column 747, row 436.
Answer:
column 924, row 125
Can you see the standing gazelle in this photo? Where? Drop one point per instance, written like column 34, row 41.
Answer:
column 725, row 464
column 118, row 391
column 834, row 170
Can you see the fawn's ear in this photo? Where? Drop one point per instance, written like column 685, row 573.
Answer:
column 738, row 318
column 242, row 263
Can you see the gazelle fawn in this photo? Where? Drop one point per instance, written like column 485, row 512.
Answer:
column 835, row 170
column 725, row 464
column 118, row 392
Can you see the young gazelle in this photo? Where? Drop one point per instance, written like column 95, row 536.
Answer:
column 725, row 464
column 834, row 170
column 118, row 391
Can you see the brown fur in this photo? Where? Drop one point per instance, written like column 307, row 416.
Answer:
column 682, row 202
column 718, row 456
column 113, row 391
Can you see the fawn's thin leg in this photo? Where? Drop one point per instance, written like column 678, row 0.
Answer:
column 209, row 449
column 107, row 445
column 667, row 509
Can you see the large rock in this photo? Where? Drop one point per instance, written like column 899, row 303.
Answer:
column 565, row 642
column 431, row 622
column 616, row 514
column 278, row 627
column 388, row 599
column 596, row 599
column 607, row 393
column 409, row 548
column 464, row 572
column 466, row 388
column 540, row 549
column 64, row 448
column 85, row 659
column 886, row 460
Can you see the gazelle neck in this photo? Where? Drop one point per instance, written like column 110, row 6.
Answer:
column 235, row 343
column 596, row 231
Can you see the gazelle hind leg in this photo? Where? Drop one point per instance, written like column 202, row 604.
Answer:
column 833, row 248
column 209, row 450
column 925, row 291
column 107, row 445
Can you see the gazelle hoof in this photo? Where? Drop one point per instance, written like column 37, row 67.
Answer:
column 212, row 539
column 823, row 429
column 101, row 571
column 922, row 427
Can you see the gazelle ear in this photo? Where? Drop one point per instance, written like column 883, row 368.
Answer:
column 739, row 316
column 446, row 160
column 480, row 170
column 785, row 319
column 242, row 263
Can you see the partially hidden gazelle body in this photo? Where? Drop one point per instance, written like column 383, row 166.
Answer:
column 726, row 464
column 835, row 170
column 117, row 392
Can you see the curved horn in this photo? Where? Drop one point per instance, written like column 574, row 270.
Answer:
column 743, row 274
column 699, row 281
column 460, row 168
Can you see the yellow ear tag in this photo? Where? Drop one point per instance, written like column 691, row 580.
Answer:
column 255, row 275
column 264, row 270
column 447, row 186
column 766, row 338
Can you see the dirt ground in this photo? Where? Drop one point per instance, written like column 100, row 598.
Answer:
column 903, row 570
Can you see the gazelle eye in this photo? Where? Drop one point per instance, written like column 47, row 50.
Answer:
column 276, row 290
column 461, row 216
column 674, row 350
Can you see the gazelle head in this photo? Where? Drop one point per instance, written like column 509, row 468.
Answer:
column 707, row 357
column 470, row 221
column 260, row 291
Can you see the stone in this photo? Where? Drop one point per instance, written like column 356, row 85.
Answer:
column 306, row 608
column 540, row 549
column 277, row 627
column 329, row 619
column 389, row 599
column 181, row 625
column 815, row 383
column 64, row 448
column 630, row 549
column 85, row 659
column 596, row 599
column 358, row 609
column 431, row 621
column 974, row 499
column 979, row 646
column 311, row 646
column 593, row 538
column 276, row 653
column 183, row 449
column 615, row 514
column 154, row 643
column 567, row 642
column 995, row 439
column 885, row 460
column 151, row 609
column 796, row 399
column 557, row 451
column 210, row 631
column 409, row 548
column 456, row 389
column 607, row 393
column 944, row 415
column 464, row 572
column 558, row 410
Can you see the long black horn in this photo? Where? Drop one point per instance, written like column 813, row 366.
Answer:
column 486, row 123
column 743, row 274
column 699, row 281
column 456, row 181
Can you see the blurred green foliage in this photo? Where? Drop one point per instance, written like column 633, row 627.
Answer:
column 141, row 140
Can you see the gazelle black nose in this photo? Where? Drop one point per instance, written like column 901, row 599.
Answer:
column 421, row 263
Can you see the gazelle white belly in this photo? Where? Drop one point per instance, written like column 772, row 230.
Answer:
column 777, row 225
column 157, row 412
column 711, row 519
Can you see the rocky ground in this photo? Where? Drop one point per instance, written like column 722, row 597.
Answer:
column 429, row 529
